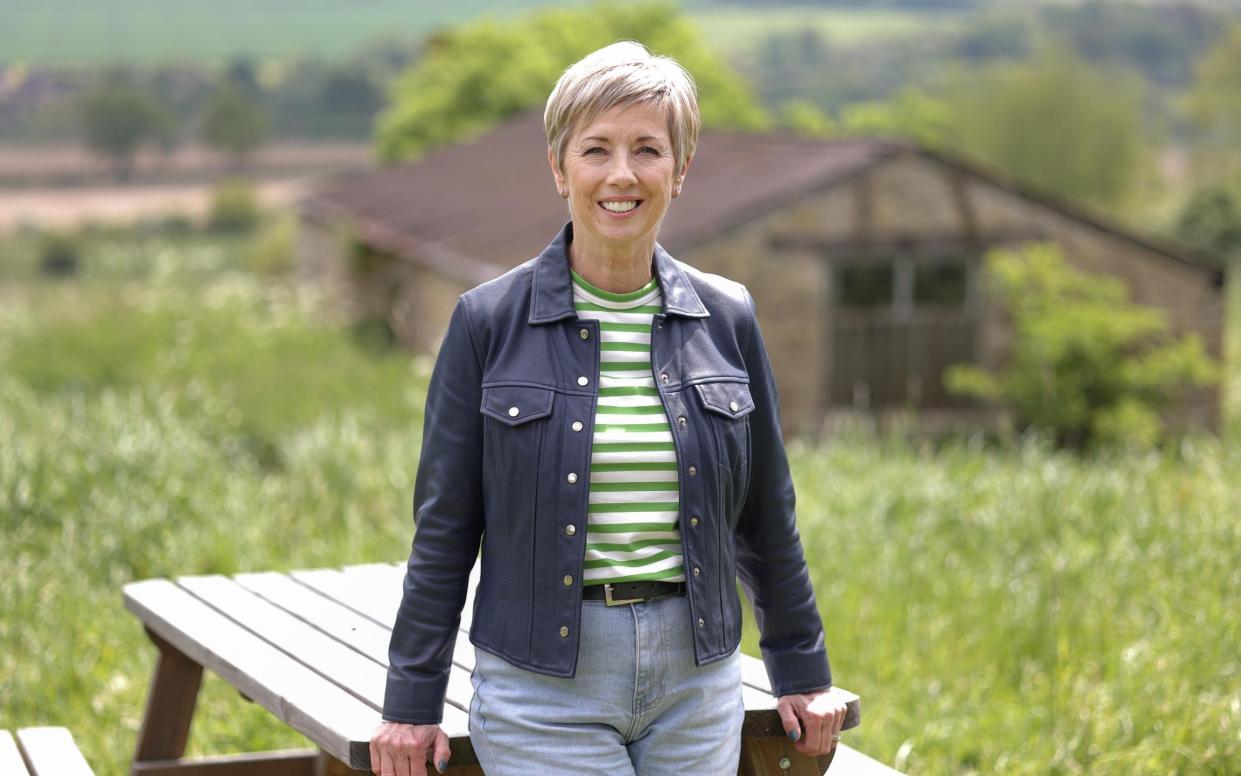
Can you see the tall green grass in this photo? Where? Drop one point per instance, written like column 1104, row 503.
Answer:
column 1020, row 611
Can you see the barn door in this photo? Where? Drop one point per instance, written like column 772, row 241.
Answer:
column 897, row 325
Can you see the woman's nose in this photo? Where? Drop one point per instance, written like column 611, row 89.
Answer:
column 620, row 172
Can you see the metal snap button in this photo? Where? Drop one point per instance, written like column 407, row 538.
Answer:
column 693, row 471
column 572, row 478
column 693, row 520
column 697, row 571
column 701, row 622
column 732, row 405
column 568, row 580
column 663, row 378
column 577, row 425
column 582, row 380
column 681, row 420
column 513, row 412
column 570, row 529
column 584, row 333
column 564, row 631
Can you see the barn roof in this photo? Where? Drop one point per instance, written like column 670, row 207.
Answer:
column 478, row 208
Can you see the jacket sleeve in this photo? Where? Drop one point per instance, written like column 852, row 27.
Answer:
column 448, row 519
column 770, row 561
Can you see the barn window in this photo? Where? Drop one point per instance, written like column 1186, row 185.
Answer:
column 866, row 285
column 940, row 283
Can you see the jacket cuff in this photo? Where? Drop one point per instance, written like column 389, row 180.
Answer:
column 413, row 699
column 792, row 671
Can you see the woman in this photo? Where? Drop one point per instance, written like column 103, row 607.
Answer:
column 603, row 420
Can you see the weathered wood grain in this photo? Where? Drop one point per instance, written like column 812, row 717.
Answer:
column 334, row 719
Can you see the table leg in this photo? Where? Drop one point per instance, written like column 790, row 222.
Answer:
column 170, row 705
column 776, row 756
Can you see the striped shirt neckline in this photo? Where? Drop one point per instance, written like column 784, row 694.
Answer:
column 634, row 501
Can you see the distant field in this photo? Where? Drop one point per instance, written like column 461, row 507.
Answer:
column 735, row 27
column 144, row 31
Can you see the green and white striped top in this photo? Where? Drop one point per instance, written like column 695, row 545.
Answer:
column 632, row 532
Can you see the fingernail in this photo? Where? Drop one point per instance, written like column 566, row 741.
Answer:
column 441, row 765
column 794, row 735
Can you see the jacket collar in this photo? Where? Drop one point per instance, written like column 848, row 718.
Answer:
column 552, row 296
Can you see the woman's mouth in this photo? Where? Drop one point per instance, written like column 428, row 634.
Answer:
column 621, row 208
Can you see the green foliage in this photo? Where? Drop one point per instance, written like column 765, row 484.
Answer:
column 1087, row 365
column 1215, row 99
column 1054, row 122
column 234, row 123
column 476, row 75
column 273, row 249
column 118, row 118
column 60, row 254
column 805, row 118
column 1211, row 219
column 909, row 114
column 234, row 206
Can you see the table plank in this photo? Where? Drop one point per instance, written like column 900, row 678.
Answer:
column 50, row 751
column 360, row 668
column 356, row 591
column 341, row 665
column 11, row 763
column 335, row 720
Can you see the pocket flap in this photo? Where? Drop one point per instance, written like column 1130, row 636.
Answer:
column 729, row 399
column 517, row 404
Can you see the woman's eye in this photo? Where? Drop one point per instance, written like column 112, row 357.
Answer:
column 593, row 150
column 646, row 149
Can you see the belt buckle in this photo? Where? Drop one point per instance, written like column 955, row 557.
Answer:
column 607, row 596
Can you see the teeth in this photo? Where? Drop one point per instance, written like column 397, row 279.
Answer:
column 620, row 207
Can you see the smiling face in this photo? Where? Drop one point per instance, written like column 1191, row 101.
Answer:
column 620, row 175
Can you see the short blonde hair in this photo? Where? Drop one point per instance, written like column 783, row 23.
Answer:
column 619, row 74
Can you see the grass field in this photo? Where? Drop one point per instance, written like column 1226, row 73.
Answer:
column 1000, row 611
column 145, row 31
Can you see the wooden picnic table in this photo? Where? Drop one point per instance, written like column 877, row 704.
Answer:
column 311, row 647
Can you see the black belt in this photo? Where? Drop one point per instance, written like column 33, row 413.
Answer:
column 631, row 592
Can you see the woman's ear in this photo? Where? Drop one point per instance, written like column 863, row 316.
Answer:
column 561, row 186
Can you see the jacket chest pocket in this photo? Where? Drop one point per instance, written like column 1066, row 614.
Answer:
column 516, row 419
column 727, row 406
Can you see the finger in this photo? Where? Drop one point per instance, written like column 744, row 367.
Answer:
column 417, row 765
column 400, row 764
column 442, row 752
column 812, row 725
column 386, row 766
column 374, row 759
column 788, row 718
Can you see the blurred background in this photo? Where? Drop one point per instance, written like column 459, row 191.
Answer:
column 993, row 244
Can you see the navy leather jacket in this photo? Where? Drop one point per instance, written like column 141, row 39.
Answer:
column 486, row 476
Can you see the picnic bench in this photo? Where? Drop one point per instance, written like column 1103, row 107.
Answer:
column 311, row 647
column 41, row 751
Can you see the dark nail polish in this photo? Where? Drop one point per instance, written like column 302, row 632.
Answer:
column 441, row 766
column 794, row 735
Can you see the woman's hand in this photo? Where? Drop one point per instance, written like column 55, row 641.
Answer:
column 400, row 749
column 812, row 720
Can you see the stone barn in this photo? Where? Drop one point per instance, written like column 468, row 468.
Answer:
column 864, row 257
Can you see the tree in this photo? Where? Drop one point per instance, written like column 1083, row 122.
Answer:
column 117, row 119
column 234, row 123
column 1087, row 364
column 1215, row 99
column 910, row 114
column 1211, row 219
column 474, row 76
column 1054, row 122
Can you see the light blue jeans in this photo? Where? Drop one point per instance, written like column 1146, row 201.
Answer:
column 638, row 705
